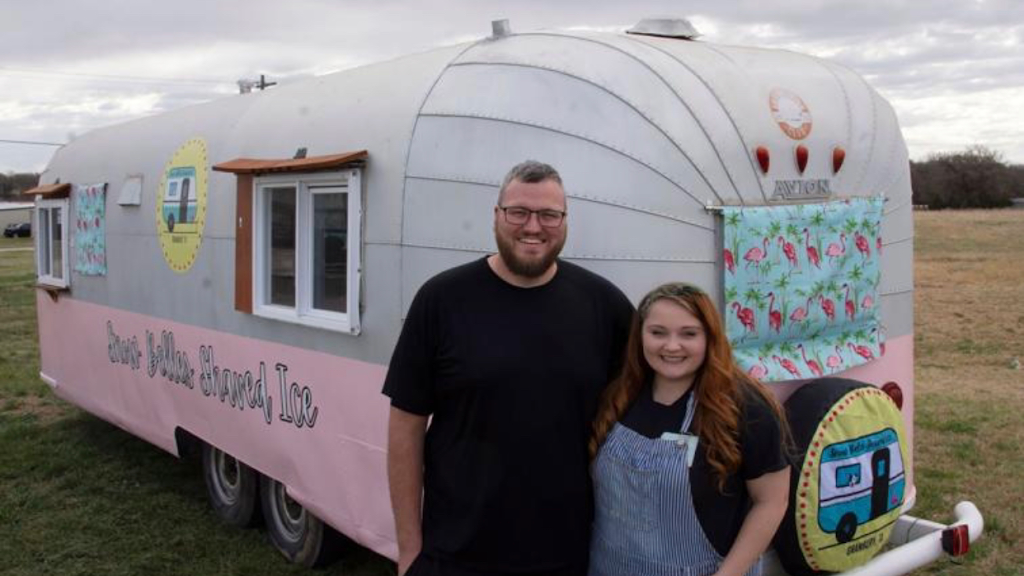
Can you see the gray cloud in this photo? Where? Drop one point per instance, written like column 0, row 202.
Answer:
column 939, row 62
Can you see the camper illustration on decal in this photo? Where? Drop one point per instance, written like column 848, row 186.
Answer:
column 180, row 198
column 861, row 479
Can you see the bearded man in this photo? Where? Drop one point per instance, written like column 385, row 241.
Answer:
column 507, row 356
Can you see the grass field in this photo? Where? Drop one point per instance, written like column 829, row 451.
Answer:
column 969, row 309
column 80, row 496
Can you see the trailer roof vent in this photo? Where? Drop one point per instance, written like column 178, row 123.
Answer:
column 500, row 28
column 665, row 27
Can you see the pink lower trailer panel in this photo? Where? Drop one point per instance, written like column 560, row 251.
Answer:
column 306, row 419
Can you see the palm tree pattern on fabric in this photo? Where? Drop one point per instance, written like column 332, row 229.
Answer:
column 801, row 287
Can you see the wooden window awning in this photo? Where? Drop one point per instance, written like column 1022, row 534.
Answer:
column 268, row 166
column 50, row 190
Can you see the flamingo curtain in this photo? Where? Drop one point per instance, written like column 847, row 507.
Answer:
column 89, row 227
column 801, row 287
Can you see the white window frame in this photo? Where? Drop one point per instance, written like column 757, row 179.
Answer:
column 306, row 185
column 45, row 206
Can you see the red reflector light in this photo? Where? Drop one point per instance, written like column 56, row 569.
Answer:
column 762, row 158
column 801, row 157
column 895, row 392
column 955, row 540
column 838, row 155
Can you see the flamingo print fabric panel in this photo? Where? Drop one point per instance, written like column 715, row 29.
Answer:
column 90, row 230
column 801, row 287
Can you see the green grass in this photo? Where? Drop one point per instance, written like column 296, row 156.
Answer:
column 969, row 327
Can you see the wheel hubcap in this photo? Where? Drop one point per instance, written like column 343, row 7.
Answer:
column 292, row 516
column 226, row 477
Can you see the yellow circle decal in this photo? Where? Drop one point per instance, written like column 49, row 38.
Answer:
column 181, row 205
column 852, row 482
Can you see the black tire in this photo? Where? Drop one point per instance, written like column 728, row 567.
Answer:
column 298, row 534
column 847, row 528
column 233, row 487
column 170, row 222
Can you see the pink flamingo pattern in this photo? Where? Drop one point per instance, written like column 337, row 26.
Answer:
column 828, row 307
column 836, row 250
column 758, row 371
column 862, row 245
column 745, row 316
column 756, row 254
column 90, row 230
column 835, row 361
column 774, row 316
column 812, row 251
column 789, row 366
column 811, row 364
column 849, row 305
column 782, row 315
column 789, row 250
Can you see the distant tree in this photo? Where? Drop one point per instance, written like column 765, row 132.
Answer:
column 974, row 178
column 1017, row 181
column 12, row 184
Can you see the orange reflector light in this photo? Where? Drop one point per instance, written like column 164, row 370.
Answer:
column 762, row 158
column 895, row 392
column 838, row 155
column 955, row 540
column 801, row 157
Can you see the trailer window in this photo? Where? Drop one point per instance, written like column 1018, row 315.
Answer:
column 306, row 257
column 52, row 242
column 281, row 250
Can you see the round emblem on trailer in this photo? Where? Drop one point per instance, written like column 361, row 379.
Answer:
column 181, row 205
column 790, row 112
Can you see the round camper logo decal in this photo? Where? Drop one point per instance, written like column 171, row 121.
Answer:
column 181, row 205
column 852, row 483
column 790, row 112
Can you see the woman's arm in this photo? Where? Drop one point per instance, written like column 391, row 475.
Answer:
column 770, row 495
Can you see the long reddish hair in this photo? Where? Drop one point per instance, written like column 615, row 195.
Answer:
column 718, row 386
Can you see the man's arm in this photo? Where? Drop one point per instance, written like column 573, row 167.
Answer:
column 406, row 432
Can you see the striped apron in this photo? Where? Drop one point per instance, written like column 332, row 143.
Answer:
column 645, row 523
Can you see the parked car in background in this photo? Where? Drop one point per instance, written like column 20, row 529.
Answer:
column 22, row 230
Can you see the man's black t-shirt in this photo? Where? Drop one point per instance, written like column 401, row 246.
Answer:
column 512, row 378
column 761, row 450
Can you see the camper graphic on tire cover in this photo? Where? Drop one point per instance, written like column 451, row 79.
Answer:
column 861, row 479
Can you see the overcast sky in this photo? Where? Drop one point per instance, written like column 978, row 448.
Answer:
column 953, row 69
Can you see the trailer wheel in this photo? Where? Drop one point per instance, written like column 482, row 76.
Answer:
column 847, row 528
column 298, row 534
column 231, row 486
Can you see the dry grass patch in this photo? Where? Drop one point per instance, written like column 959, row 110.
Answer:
column 969, row 327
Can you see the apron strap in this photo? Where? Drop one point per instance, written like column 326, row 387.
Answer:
column 691, row 408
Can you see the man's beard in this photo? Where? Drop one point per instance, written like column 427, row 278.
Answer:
column 527, row 268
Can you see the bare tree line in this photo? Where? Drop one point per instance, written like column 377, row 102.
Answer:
column 974, row 178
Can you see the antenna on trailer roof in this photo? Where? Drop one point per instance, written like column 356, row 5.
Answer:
column 245, row 86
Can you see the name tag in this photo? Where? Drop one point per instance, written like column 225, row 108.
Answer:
column 685, row 441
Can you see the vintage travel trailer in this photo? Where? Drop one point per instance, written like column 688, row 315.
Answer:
column 237, row 272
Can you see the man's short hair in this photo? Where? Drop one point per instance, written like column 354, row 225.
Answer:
column 529, row 172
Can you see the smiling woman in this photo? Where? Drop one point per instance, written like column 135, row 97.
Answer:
column 685, row 435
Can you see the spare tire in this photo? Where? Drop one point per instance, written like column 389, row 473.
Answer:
column 848, row 482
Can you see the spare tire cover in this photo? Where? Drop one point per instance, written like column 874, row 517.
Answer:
column 848, row 480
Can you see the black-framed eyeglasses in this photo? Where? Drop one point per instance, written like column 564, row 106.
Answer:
column 518, row 215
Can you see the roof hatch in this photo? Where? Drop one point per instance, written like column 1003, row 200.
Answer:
column 665, row 27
